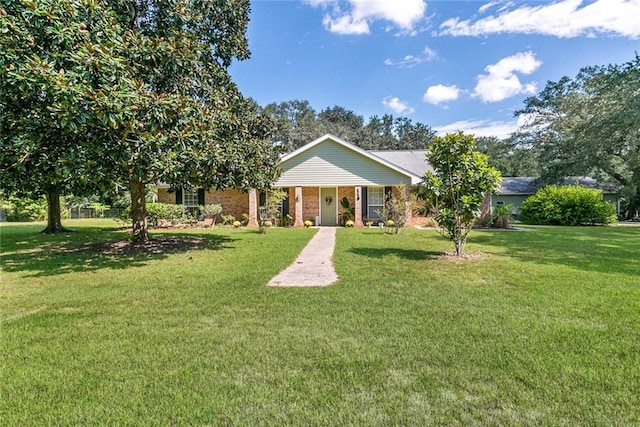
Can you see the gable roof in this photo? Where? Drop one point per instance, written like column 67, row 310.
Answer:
column 378, row 160
column 413, row 161
column 526, row 185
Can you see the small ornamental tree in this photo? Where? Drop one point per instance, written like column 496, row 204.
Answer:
column 567, row 205
column 397, row 209
column 458, row 184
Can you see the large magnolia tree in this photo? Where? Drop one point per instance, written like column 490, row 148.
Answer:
column 52, row 53
column 187, row 124
column 457, row 187
column 590, row 125
column 155, row 102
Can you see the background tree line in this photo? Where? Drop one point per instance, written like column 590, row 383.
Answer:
column 101, row 96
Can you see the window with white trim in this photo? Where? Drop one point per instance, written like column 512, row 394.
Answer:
column 375, row 202
column 190, row 198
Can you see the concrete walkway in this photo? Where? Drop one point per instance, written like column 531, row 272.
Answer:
column 314, row 265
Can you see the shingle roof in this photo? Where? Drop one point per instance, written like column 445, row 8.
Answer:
column 529, row 185
column 412, row 160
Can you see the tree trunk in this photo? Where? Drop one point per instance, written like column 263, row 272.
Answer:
column 54, row 223
column 138, row 211
column 634, row 200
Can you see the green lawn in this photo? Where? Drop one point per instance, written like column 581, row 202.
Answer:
column 538, row 328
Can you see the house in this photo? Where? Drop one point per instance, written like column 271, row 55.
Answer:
column 316, row 177
column 515, row 190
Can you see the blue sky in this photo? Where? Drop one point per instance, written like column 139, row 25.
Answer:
column 453, row 65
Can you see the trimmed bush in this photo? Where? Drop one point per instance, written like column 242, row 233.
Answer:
column 567, row 205
column 166, row 211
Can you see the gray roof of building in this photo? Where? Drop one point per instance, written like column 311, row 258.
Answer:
column 413, row 161
column 529, row 185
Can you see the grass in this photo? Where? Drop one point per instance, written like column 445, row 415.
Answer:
column 538, row 327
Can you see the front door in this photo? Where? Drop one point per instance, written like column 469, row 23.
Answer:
column 328, row 206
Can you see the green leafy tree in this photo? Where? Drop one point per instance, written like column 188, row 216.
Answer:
column 296, row 123
column 186, row 124
column 590, row 125
column 128, row 93
column 508, row 157
column 53, row 55
column 460, row 180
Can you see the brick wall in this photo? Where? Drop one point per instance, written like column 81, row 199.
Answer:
column 350, row 193
column 165, row 197
column 310, row 200
column 233, row 202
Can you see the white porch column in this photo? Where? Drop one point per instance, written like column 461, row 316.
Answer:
column 358, row 214
column 253, row 208
column 299, row 221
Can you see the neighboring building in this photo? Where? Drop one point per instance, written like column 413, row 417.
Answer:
column 316, row 178
column 318, row 175
column 515, row 190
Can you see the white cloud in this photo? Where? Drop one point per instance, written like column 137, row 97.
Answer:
column 478, row 127
column 440, row 93
column 565, row 18
column 487, row 6
column 501, row 82
column 359, row 14
column 396, row 105
column 410, row 61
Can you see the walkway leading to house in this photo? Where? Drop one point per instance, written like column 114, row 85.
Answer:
column 314, row 265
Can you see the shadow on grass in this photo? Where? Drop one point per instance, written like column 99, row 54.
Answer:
column 603, row 249
column 409, row 254
column 81, row 252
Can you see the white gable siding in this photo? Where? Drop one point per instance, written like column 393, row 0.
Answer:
column 331, row 164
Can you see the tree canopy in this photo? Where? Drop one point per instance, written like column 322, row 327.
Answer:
column 457, row 187
column 155, row 102
column 52, row 54
column 297, row 123
column 590, row 125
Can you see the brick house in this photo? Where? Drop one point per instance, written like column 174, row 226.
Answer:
column 316, row 177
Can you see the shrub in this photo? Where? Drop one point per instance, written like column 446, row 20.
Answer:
column 236, row 224
column 228, row 219
column 349, row 212
column 25, row 209
column 348, row 223
column 166, row 211
column 397, row 208
column 567, row 205
column 502, row 215
column 209, row 211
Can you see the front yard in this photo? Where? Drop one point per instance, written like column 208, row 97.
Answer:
column 539, row 327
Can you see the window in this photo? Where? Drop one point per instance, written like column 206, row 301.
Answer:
column 375, row 202
column 190, row 198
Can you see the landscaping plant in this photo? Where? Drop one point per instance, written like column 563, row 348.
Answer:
column 457, row 186
column 567, row 205
column 502, row 215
